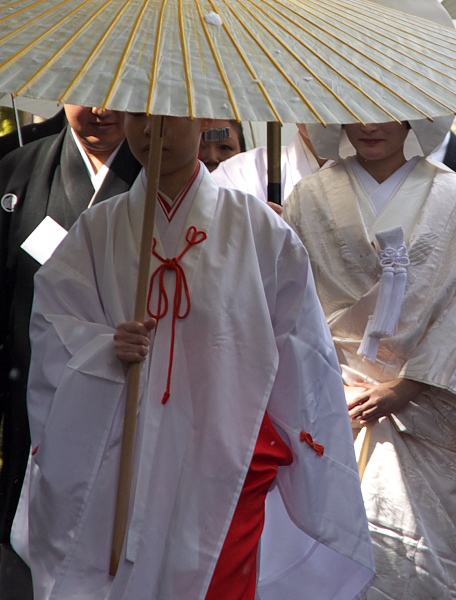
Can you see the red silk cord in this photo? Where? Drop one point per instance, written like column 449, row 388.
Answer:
column 192, row 238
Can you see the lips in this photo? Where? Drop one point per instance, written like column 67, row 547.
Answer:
column 102, row 124
column 371, row 141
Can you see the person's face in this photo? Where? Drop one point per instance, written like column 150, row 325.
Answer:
column 213, row 153
column 181, row 137
column 100, row 131
column 377, row 141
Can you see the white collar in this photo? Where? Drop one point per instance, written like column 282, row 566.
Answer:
column 96, row 178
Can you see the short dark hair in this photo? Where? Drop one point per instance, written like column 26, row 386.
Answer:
column 237, row 126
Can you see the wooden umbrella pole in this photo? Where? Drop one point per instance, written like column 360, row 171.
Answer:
column 274, row 134
column 134, row 373
column 364, row 452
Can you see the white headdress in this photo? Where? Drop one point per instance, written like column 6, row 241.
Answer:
column 428, row 135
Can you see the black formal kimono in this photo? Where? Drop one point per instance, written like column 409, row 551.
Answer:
column 33, row 131
column 450, row 155
column 48, row 177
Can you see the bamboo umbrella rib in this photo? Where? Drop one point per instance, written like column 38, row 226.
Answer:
column 276, row 64
column 378, row 64
column 411, row 69
column 218, row 62
column 96, row 51
column 317, row 78
column 188, row 75
column 249, row 66
column 62, row 48
column 12, row 4
column 32, row 21
column 344, row 77
column 158, row 39
column 436, row 31
column 364, row 71
column 397, row 50
column 382, row 27
column 125, row 53
column 383, row 31
column 27, row 8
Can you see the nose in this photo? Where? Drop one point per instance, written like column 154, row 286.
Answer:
column 209, row 156
column 369, row 127
column 148, row 125
column 99, row 111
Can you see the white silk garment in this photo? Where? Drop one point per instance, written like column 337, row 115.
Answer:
column 409, row 484
column 248, row 171
column 255, row 338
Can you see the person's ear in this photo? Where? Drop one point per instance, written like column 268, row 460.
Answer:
column 206, row 124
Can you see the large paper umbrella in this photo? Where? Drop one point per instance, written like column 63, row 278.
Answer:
column 327, row 61
column 289, row 60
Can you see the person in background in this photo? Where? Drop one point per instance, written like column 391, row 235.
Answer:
column 32, row 132
column 224, row 140
column 249, row 171
column 380, row 232
column 44, row 186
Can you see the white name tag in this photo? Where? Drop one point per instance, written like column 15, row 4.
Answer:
column 42, row 242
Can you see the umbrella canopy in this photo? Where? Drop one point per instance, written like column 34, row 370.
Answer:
column 289, row 60
column 42, row 108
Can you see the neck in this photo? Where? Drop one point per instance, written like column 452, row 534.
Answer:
column 171, row 184
column 99, row 159
column 380, row 170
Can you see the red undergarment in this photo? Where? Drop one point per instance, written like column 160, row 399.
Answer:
column 235, row 574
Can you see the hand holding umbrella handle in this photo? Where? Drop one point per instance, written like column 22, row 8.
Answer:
column 134, row 375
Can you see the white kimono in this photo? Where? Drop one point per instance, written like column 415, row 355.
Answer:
column 409, row 485
column 248, row 171
column 255, row 338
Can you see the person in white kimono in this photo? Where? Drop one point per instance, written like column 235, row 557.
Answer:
column 236, row 352
column 249, row 171
column 381, row 235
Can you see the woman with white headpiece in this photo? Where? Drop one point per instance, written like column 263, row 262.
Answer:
column 381, row 234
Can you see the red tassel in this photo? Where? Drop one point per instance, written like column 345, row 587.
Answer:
column 306, row 437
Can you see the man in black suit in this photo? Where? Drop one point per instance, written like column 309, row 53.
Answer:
column 449, row 158
column 57, row 176
column 33, row 131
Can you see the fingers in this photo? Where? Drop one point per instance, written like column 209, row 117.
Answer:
column 359, row 400
column 132, row 339
column 276, row 208
column 362, row 408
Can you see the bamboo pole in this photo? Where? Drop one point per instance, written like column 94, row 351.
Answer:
column 134, row 373
column 364, row 453
column 274, row 162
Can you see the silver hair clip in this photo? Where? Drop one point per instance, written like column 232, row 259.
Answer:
column 216, row 135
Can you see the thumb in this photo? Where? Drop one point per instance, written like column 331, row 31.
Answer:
column 150, row 324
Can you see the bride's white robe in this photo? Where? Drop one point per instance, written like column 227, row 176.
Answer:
column 409, row 484
column 255, row 338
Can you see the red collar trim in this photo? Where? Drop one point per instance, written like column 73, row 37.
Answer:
column 171, row 209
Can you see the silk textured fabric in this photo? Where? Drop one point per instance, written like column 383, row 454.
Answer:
column 409, row 484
